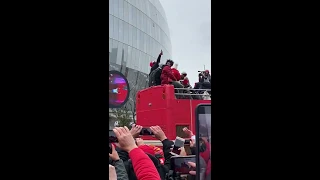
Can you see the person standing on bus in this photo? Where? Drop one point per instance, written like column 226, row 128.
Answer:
column 204, row 77
column 155, row 64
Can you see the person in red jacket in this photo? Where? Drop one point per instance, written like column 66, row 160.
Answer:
column 167, row 76
column 184, row 80
column 142, row 165
column 176, row 72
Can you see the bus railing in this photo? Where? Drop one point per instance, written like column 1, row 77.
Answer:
column 187, row 94
column 188, row 89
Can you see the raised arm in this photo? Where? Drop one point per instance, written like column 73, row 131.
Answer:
column 166, row 144
column 159, row 57
column 142, row 165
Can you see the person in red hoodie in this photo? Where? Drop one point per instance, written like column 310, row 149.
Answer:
column 142, row 165
column 176, row 72
column 167, row 76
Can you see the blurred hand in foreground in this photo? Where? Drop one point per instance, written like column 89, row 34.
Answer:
column 114, row 155
column 158, row 133
column 187, row 131
column 135, row 130
column 139, row 141
column 125, row 138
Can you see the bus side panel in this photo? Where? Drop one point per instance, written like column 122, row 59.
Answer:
column 149, row 99
column 154, row 107
column 151, row 118
column 180, row 116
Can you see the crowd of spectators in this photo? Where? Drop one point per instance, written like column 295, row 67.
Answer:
column 131, row 158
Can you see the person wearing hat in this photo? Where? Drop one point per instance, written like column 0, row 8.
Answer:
column 184, row 80
column 155, row 64
column 204, row 76
column 205, row 80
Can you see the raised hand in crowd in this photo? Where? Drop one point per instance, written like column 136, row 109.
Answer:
column 112, row 173
column 166, row 144
column 114, row 155
column 182, row 152
column 158, row 133
column 125, row 138
column 143, row 166
column 139, row 141
column 135, row 130
column 188, row 132
column 161, row 53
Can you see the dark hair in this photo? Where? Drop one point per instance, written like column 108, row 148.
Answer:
column 170, row 61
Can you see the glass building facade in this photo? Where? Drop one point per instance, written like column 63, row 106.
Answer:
column 138, row 30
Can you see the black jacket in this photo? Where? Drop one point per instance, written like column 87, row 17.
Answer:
column 166, row 145
column 156, row 65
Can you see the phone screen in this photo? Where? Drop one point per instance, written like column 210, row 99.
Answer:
column 180, row 164
column 178, row 143
column 203, row 138
column 146, row 132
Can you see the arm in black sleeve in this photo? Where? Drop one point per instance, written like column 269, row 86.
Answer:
column 159, row 58
column 156, row 65
column 166, row 145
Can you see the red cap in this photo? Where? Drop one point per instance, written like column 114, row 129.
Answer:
column 207, row 71
column 152, row 63
column 147, row 149
column 157, row 150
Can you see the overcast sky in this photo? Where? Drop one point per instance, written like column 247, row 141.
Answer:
column 190, row 32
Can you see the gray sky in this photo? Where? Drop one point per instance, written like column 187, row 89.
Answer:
column 190, row 32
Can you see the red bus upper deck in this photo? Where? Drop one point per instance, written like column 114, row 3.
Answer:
column 158, row 105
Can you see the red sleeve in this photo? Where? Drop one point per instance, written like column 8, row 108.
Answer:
column 143, row 165
column 177, row 74
column 169, row 73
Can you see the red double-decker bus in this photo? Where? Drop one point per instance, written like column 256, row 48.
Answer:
column 158, row 105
